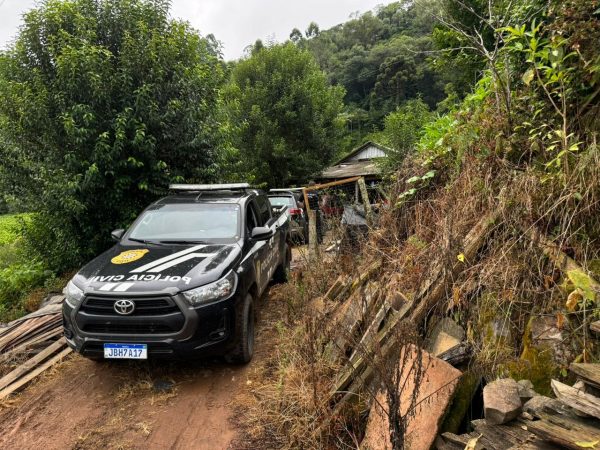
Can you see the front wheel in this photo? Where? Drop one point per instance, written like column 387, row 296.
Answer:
column 244, row 322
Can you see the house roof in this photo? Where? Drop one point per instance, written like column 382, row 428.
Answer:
column 361, row 148
column 351, row 169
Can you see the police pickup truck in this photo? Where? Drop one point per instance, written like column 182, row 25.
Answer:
column 183, row 280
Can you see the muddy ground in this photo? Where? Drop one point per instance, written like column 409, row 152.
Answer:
column 82, row 404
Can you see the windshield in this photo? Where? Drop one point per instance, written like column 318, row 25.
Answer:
column 185, row 222
column 282, row 201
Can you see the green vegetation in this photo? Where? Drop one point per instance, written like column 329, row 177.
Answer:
column 287, row 116
column 9, row 229
column 102, row 105
column 20, row 275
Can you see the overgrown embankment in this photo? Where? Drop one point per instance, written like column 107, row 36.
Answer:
column 24, row 282
column 493, row 222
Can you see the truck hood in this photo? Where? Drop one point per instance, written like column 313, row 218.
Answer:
column 156, row 269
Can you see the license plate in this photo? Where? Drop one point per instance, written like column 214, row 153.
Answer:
column 125, row 351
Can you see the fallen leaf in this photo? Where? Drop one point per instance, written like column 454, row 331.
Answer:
column 573, row 300
column 471, row 443
column 560, row 321
column 461, row 257
column 587, row 444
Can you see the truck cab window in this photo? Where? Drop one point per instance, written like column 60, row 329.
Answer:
column 265, row 210
column 251, row 221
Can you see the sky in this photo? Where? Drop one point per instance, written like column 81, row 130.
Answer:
column 236, row 23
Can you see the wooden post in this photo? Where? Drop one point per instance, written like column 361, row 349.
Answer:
column 365, row 197
column 313, row 240
column 306, row 205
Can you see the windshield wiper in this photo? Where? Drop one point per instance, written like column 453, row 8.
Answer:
column 183, row 242
column 144, row 241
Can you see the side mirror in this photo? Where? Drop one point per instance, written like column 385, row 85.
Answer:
column 117, row 234
column 261, row 233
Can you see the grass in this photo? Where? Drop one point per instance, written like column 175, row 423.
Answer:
column 23, row 282
column 9, row 228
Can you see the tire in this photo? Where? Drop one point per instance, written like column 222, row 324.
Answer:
column 244, row 322
column 281, row 272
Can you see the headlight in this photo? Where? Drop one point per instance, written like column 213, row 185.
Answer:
column 218, row 290
column 73, row 295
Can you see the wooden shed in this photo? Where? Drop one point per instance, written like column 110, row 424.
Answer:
column 362, row 161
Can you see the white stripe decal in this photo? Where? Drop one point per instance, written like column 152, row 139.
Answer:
column 180, row 260
column 108, row 286
column 123, row 287
column 166, row 259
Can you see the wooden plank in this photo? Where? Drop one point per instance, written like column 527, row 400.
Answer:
column 435, row 287
column 336, row 288
column 31, row 363
column 564, row 431
column 313, row 239
column 365, row 198
column 33, row 374
column 502, row 435
column 590, row 373
column 317, row 187
column 368, row 337
column 576, row 399
column 357, row 365
column 30, row 334
column 24, row 347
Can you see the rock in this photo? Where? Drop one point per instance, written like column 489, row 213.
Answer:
column 433, row 394
column 526, row 391
column 445, row 335
column 501, row 401
column 525, row 383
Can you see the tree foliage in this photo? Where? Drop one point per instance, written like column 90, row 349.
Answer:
column 403, row 130
column 381, row 58
column 286, row 114
column 102, row 104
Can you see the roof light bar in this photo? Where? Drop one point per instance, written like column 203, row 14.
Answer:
column 209, row 187
column 285, row 189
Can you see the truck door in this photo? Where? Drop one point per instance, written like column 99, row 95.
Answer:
column 274, row 244
column 259, row 250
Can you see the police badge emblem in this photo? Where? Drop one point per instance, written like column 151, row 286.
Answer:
column 129, row 256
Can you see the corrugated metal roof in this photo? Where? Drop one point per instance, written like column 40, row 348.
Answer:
column 352, row 169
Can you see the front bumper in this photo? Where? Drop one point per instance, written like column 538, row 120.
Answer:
column 180, row 332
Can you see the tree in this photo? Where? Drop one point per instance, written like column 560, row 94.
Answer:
column 312, row 30
column 403, row 129
column 103, row 103
column 296, row 36
column 287, row 114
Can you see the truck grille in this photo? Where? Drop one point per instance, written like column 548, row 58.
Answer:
column 156, row 315
column 143, row 307
column 128, row 328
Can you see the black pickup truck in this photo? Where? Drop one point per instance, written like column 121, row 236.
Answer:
column 183, row 280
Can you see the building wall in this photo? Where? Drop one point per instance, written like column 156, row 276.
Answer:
column 369, row 152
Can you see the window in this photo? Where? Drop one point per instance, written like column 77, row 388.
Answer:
column 251, row 221
column 264, row 210
column 205, row 222
column 283, row 201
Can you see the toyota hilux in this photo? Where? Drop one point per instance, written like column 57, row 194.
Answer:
column 183, row 280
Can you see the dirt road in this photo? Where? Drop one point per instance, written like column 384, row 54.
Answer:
column 87, row 405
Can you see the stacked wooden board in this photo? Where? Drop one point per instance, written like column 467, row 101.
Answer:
column 31, row 345
column 572, row 420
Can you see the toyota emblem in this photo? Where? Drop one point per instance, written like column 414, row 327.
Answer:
column 124, row 307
